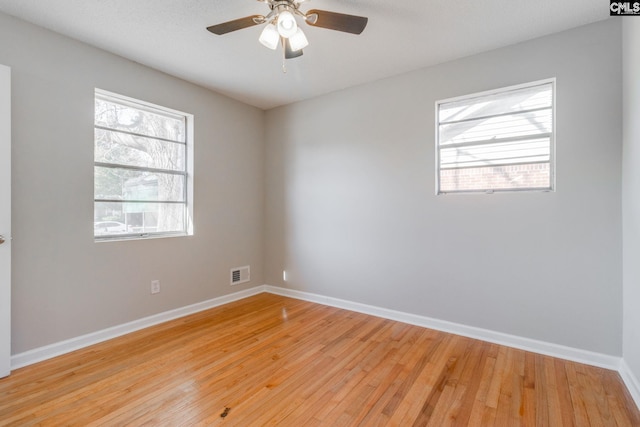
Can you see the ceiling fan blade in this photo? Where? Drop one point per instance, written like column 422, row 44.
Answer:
column 288, row 53
column 337, row 21
column 237, row 24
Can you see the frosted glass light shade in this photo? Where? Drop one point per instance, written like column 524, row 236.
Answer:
column 298, row 40
column 287, row 25
column 269, row 37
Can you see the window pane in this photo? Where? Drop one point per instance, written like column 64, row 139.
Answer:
column 529, row 98
column 529, row 176
column 499, row 141
column 139, row 119
column 112, row 219
column 509, row 126
column 535, row 150
column 125, row 149
column 125, row 184
column 108, row 219
column 140, row 170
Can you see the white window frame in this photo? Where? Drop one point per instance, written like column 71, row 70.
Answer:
column 187, row 173
column 552, row 148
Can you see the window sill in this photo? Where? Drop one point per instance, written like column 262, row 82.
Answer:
column 145, row 236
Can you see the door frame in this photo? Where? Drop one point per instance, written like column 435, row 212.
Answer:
column 5, row 220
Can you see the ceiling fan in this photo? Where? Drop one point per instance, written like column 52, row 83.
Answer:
column 282, row 27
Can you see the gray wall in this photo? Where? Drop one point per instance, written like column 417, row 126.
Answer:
column 348, row 206
column 351, row 211
column 64, row 284
column 631, row 195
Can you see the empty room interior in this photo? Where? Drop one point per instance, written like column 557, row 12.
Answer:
column 431, row 217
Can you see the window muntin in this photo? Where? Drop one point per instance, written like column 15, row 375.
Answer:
column 497, row 141
column 140, row 169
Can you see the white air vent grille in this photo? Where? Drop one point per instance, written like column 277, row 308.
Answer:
column 240, row 275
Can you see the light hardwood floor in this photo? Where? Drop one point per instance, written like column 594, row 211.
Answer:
column 270, row 360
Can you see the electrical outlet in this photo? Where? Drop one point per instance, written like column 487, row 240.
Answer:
column 155, row 286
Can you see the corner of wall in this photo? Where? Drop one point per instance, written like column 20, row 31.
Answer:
column 631, row 381
column 630, row 366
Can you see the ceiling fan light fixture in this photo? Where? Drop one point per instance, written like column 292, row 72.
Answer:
column 269, row 37
column 298, row 40
column 287, row 25
column 281, row 26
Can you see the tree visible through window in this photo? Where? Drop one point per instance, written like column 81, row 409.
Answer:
column 140, row 168
column 497, row 141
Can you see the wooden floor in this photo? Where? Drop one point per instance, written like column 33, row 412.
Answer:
column 270, row 360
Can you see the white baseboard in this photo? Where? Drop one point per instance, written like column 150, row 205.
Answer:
column 527, row 344
column 631, row 381
column 47, row 352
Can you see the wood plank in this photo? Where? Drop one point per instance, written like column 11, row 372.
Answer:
column 271, row 360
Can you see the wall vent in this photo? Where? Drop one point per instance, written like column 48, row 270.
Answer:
column 240, row 275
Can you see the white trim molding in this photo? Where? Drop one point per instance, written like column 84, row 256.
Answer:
column 541, row 347
column 614, row 363
column 47, row 352
column 549, row 349
column 631, row 381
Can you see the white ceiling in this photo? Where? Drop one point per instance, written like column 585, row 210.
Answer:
column 401, row 36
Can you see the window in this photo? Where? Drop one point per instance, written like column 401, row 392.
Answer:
column 497, row 141
column 141, row 165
